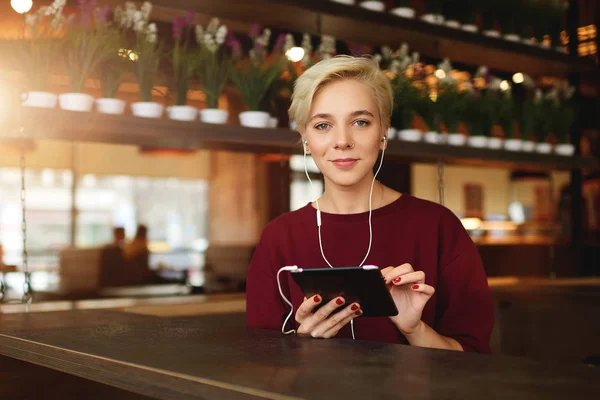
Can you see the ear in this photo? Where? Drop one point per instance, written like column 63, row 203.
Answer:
column 305, row 144
column 384, row 143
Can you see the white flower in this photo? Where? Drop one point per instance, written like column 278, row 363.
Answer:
column 378, row 58
column 146, row 10
column 289, row 43
column 403, row 50
column 138, row 16
column 387, row 52
column 221, row 35
column 482, row 71
column 139, row 26
column 416, row 57
column 199, row 33
column 538, row 95
column 152, row 28
column 327, row 47
column 495, row 83
column 30, row 19
column 213, row 25
column 445, row 65
column 527, row 81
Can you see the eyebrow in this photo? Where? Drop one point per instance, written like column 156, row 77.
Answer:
column 353, row 114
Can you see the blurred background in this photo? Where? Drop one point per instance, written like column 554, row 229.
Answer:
column 144, row 147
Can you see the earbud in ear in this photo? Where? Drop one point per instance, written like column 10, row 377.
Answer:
column 383, row 139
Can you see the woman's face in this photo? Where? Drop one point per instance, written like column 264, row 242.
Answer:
column 344, row 132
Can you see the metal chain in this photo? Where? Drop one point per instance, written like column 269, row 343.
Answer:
column 27, row 295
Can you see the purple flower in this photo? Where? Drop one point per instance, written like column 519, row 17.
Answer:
column 179, row 24
column 86, row 9
column 254, row 31
column 357, row 49
column 102, row 16
column 190, row 18
column 279, row 43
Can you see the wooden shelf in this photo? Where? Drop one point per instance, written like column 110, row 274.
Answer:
column 354, row 24
column 163, row 133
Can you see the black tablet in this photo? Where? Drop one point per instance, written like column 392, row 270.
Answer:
column 364, row 285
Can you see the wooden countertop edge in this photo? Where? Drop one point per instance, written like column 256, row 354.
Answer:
column 135, row 378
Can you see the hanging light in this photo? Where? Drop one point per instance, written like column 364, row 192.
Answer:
column 518, row 78
column 440, row 74
column 21, row 6
column 295, row 54
column 504, row 86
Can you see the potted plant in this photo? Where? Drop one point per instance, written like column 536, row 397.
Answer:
column 452, row 12
column 556, row 23
column 469, row 12
column 490, row 18
column 563, row 116
column 403, row 8
column 37, row 51
column 526, row 116
column 406, row 75
column 113, row 70
column 254, row 79
column 449, row 104
column 528, row 15
column 542, row 124
column 147, row 53
column 373, row 5
column 433, row 12
column 426, row 108
column 215, row 68
column 184, row 63
column 508, row 15
column 505, row 107
column 88, row 42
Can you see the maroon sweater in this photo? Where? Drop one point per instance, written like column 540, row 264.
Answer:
column 410, row 230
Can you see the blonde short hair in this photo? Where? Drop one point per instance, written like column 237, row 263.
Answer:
column 337, row 68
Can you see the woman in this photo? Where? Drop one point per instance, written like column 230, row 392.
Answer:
column 343, row 106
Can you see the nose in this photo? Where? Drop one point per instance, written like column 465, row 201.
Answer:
column 344, row 139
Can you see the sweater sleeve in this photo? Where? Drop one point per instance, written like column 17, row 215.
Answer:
column 264, row 306
column 465, row 308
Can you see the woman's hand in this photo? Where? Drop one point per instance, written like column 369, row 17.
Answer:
column 322, row 323
column 410, row 293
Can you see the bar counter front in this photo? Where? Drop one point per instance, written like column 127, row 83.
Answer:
column 217, row 357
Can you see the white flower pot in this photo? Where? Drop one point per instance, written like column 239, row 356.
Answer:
column 76, row 101
column 436, row 19
column 469, row 28
column 254, row 119
column 457, row 139
column 410, row 135
column 545, row 45
column 182, row 113
column 564, row 149
column 273, row 122
column 404, row 12
column 528, row 146
column 214, row 116
column 544, row 148
column 492, row 33
column 347, row 2
column 529, row 42
column 147, row 109
column 495, row 143
column 110, row 106
column 477, row 141
column 432, row 137
column 40, row 99
column 373, row 5
column 513, row 144
column 391, row 133
column 453, row 24
column 294, row 125
column 512, row 37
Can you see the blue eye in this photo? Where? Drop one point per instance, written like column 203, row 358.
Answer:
column 322, row 126
column 362, row 123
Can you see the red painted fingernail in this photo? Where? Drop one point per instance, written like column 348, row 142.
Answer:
column 354, row 307
column 398, row 279
column 316, row 299
column 359, row 312
column 415, row 287
column 339, row 301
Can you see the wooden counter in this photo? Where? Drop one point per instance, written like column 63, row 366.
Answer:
column 217, row 357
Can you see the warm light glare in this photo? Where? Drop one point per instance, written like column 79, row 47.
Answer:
column 295, row 54
column 129, row 54
column 518, row 78
column 440, row 74
column 504, row 86
column 471, row 224
column 21, row 6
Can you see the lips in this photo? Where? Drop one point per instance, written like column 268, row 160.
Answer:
column 345, row 163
